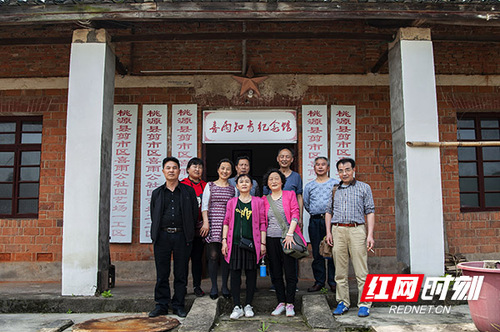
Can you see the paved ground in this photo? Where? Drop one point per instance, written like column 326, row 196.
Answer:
column 314, row 311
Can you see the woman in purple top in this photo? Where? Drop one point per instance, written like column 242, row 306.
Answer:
column 245, row 220
column 213, row 210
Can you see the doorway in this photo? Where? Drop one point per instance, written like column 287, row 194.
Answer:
column 262, row 158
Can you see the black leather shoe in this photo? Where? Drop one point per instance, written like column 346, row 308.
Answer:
column 180, row 312
column 333, row 288
column 214, row 296
column 158, row 311
column 199, row 292
column 226, row 296
column 315, row 288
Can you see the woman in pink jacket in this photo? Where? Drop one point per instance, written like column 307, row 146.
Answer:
column 245, row 222
column 281, row 208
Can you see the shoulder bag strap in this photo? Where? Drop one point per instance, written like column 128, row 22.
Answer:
column 277, row 215
column 334, row 190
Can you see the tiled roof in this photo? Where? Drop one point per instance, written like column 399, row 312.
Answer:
column 71, row 2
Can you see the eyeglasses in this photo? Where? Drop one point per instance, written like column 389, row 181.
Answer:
column 347, row 170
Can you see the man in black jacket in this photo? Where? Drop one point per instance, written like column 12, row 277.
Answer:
column 174, row 212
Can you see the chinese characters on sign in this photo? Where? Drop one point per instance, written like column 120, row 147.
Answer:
column 274, row 126
column 154, row 149
column 314, row 144
column 122, row 173
column 184, row 138
column 343, row 134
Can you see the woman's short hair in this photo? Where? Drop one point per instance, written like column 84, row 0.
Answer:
column 194, row 161
column 244, row 176
column 275, row 170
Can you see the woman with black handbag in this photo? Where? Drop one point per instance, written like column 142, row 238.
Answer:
column 283, row 235
column 243, row 242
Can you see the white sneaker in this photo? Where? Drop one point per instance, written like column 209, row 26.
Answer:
column 279, row 309
column 237, row 312
column 290, row 312
column 248, row 311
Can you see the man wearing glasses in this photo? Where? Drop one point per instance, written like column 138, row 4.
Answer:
column 350, row 234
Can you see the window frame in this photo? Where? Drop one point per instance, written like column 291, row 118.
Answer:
column 18, row 148
column 479, row 160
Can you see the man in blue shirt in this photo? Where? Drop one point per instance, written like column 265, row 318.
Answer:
column 317, row 195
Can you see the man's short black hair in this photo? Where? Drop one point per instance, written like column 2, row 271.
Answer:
column 345, row 161
column 175, row 160
column 271, row 171
column 194, row 161
column 242, row 158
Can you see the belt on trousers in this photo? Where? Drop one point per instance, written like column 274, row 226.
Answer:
column 318, row 216
column 346, row 225
column 171, row 229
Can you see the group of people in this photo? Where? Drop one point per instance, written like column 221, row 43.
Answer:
column 236, row 227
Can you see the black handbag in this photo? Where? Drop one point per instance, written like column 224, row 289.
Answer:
column 246, row 244
column 299, row 248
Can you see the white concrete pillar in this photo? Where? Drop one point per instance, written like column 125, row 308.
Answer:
column 85, row 260
column 417, row 171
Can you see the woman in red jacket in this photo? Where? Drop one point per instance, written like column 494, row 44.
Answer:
column 243, row 242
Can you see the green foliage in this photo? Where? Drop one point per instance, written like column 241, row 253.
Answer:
column 106, row 294
column 69, row 311
column 264, row 327
column 323, row 290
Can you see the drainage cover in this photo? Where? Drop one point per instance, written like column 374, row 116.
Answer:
column 128, row 323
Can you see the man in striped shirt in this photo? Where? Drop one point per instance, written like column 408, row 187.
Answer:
column 350, row 234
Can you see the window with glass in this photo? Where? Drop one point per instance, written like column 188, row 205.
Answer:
column 20, row 150
column 479, row 167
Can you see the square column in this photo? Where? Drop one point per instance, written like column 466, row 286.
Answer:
column 85, row 254
column 417, row 171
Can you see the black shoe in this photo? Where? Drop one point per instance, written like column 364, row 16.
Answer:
column 180, row 312
column 315, row 288
column 199, row 292
column 158, row 311
column 226, row 295
column 333, row 288
column 214, row 296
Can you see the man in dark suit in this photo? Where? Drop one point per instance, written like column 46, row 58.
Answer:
column 174, row 212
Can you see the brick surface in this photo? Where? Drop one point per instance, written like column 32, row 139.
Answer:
column 467, row 233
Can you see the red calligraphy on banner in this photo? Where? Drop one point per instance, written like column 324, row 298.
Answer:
column 343, row 133
column 121, row 172
column 229, row 126
column 154, row 149
column 314, row 139
column 184, row 133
